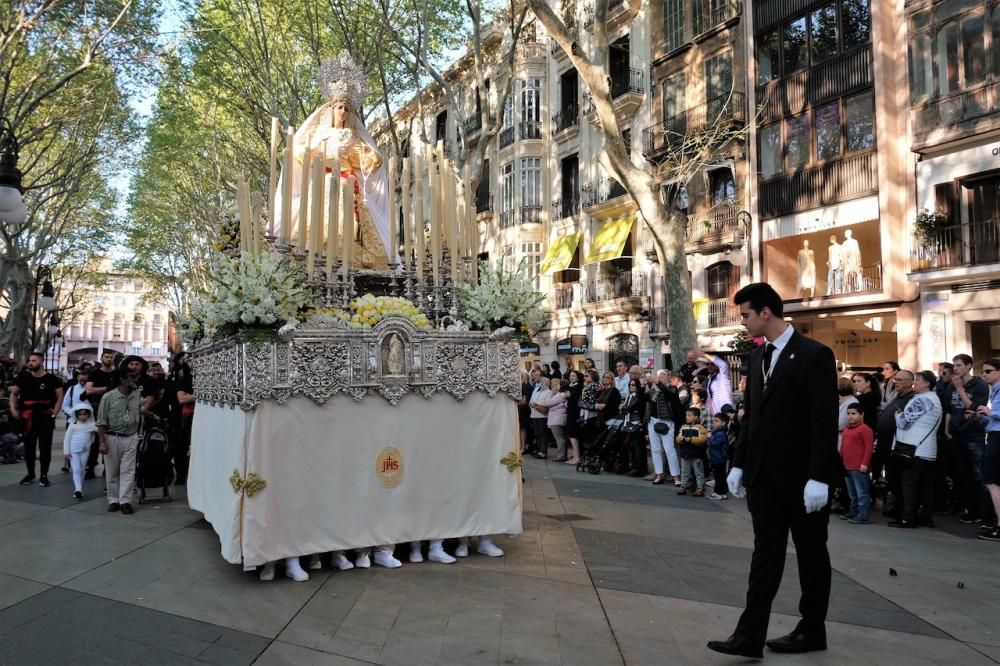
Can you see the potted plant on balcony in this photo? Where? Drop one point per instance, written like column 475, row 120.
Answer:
column 926, row 236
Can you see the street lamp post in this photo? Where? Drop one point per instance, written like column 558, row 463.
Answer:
column 43, row 279
column 12, row 209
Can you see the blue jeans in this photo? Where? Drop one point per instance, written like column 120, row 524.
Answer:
column 861, row 500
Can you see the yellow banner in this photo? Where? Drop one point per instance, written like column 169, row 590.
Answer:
column 609, row 241
column 560, row 253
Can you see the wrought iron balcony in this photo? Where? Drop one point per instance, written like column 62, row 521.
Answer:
column 721, row 226
column 565, row 119
column 671, row 133
column 717, row 313
column 632, row 82
column 563, row 208
column 530, row 215
column 506, row 219
column 707, row 15
column 958, row 246
column 530, row 130
column 611, row 287
column 562, row 296
column 602, row 191
column 507, row 137
column 659, row 323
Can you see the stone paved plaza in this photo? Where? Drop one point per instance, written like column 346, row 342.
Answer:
column 609, row 570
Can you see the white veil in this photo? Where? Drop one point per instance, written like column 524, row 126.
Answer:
column 374, row 185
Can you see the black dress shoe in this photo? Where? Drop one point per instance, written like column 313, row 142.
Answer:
column 43, row 480
column 797, row 642
column 114, row 506
column 126, row 509
column 905, row 524
column 737, row 647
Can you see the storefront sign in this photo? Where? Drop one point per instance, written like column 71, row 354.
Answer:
column 575, row 344
column 528, row 348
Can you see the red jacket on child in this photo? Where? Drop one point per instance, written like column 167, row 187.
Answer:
column 856, row 448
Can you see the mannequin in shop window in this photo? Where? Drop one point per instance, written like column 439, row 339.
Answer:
column 850, row 263
column 833, row 275
column 807, row 270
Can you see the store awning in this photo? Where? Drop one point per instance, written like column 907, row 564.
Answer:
column 560, row 253
column 609, row 241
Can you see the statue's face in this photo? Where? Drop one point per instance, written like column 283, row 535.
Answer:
column 340, row 114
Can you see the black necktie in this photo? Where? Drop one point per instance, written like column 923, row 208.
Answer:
column 768, row 353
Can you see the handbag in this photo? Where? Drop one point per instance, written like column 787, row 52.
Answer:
column 908, row 452
column 661, row 428
column 632, row 426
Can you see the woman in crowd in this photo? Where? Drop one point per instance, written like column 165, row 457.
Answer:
column 589, row 416
column 524, row 411
column 546, row 371
column 631, row 413
column 559, row 394
column 916, row 426
column 543, row 395
column 180, row 395
column 609, row 399
column 869, row 396
column 573, row 415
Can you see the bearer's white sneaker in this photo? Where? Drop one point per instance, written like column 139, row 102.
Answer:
column 362, row 560
column 384, row 558
column 295, row 571
column 438, row 555
column 341, row 562
column 315, row 564
column 267, row 571
column 487, row 547
column 415, row 556
column 462, row 549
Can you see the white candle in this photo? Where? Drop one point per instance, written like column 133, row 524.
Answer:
column 287, row 178
column 347, row 187
column 333, row 219
column 434, row 196
column 316, row 219
column 273, row 173
column 302, row 239
column 407, row 216
column 451, row 206
column 418, row 215
column 393, row 213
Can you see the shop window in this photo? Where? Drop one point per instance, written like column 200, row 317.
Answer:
column 859, row 112
column 823, row 33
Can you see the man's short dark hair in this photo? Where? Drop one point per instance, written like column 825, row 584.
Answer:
column 993, row 363
column 554, row 365
column 722, row 416
column 760, row 295
column 945, row 365
column 964, row 358
column 856, row 406
column 694, row 411
column 38, row 354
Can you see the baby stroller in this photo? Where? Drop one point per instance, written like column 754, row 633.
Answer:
column 154, row 469
column 605, row 451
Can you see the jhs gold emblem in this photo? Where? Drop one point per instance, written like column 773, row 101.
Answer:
column 389, row 467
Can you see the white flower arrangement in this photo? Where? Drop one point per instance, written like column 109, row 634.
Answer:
column 250, row 291
column 502, row 298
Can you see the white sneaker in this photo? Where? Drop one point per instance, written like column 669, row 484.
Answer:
column 341, row 562
column 438, row 555
column 415, row 555
column 267, row 571
column 717, row 496
column 362, row 560
column 462, row 550
column 315, row 563
column 295, row 571
column 487, row 547
column 384, row 558
column 710, row 483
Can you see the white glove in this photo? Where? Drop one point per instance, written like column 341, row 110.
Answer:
column 815, row 495
column 735, row 482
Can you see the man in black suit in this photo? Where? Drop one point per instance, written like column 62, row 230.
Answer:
column 786, row 458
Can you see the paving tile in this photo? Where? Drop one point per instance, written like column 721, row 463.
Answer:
column 286, row 654
column 633, row 494
column 14, row 590
column 12, row 511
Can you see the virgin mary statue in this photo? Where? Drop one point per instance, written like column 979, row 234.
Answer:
column 335, row 129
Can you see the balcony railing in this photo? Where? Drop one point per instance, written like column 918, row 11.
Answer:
column 530, row 215
column 717, row 313
column 947, row 115
column 659, row 323
column 484, row 202
column 610, row 287
column 632, row 82
column 602, row 191
column 672, row 132
column 720, row 224
column 562, row 297
column 506, row 137
column 506, row 219
column 533, row 51
column 970, row 244
column 530, row 130
column 562, row 121
column 841, row 180
column 563, row 208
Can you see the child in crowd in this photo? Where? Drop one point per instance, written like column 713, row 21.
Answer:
column 718, row 454
column 856, row 452
column 76, row 444
column 690, row 444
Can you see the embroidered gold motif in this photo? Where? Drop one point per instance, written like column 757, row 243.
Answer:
column 251, row 485
column 389, row 467
column 512, row 460
column 236, row 481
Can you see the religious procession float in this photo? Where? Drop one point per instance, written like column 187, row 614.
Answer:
column 354, row 390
